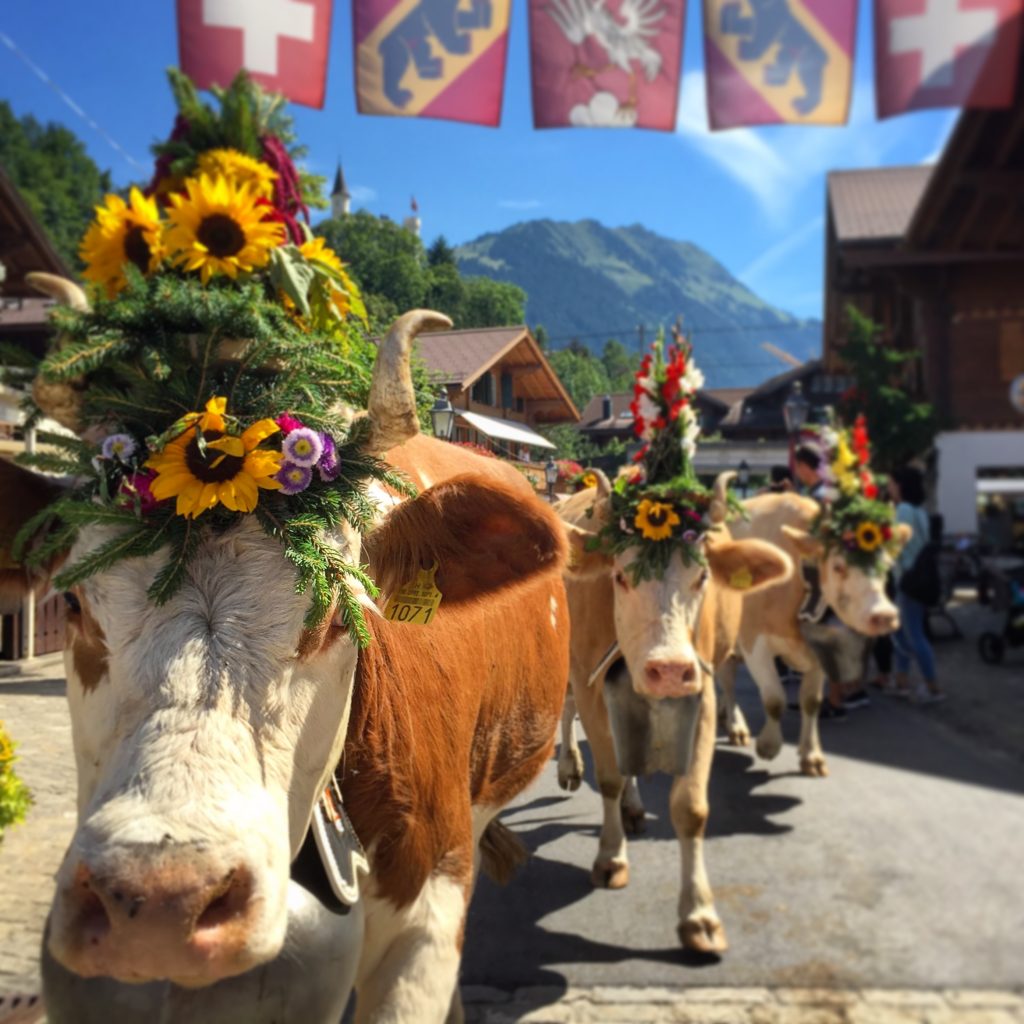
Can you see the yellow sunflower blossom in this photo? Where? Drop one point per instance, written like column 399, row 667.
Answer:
column 122, row 233
column 239, row 168
column 869, row 536
column 589, row 480
column 218, row 227
column 345, row 299
column 230, row 472
column 655, row 519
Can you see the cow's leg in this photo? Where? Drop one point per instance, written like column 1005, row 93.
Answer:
column 812, row 760
column 735, row 723
column 570, row 760
column 633, row 812
column 611, row 868
column 699, row 926
column 409, row 969
column 761, row 663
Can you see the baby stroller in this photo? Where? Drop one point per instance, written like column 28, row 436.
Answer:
column 1007, row 596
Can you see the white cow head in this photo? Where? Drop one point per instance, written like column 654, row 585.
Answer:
column 858, row 597
column 204, row 729
column 658, row 621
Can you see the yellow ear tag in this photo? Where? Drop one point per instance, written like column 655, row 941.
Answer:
column 741, row 579
column 416, row 601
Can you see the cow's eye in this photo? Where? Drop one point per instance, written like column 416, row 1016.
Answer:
column 620, row 580
column 840, row 569
column 699, row 582
column 71, row 600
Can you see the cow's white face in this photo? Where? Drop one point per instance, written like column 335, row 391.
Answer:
column 203, row 730
column 858, row 597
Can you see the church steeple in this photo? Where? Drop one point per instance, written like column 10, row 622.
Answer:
column 341, row 199
column 412, row 222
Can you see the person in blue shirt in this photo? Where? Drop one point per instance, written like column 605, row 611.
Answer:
column 906, row 488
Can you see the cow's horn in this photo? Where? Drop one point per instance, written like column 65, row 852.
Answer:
column 59, row 288
column 604, row 485
column 392, row 405
column 720, row 502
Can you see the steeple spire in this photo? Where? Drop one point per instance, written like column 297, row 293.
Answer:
column 341, row 199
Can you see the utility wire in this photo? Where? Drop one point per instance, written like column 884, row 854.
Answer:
column 50, row 83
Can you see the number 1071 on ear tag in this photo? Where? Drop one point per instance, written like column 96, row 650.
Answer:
column 417, row 601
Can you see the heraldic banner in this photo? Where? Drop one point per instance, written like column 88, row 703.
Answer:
column 946, row 53
column 431, row 58
column 282, row 43
column 778, row 61
column 606, row 63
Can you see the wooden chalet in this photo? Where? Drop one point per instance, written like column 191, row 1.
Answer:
column 935, row 255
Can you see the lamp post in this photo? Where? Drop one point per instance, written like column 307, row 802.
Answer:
column 743, row 476
column 795, row 411
column 551, row 475
column 442, row 417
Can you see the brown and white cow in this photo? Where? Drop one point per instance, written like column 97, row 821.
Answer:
column 771, row 626
column 668, row 630
column 204, row 730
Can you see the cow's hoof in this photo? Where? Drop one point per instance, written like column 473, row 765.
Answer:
column 612, row 875
column 634, row 821
column 739, row 736
column 814, row 765
column 768, row 747
column 703, row 933
column 570, row 770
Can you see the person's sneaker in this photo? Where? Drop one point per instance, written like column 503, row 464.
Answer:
column 829, row 712
column 857, row 699
column 926, row 696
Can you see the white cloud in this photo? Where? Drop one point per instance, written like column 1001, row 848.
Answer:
column 773, row 255
column 519, row 204
column 362, row 193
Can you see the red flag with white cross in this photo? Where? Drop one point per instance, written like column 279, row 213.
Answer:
column 946, row 53
column 283, row 44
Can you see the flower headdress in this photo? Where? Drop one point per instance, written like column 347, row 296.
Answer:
column 211, row 375
column 852, row 519
column 660, row 506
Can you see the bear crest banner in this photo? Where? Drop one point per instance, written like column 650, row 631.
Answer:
column 606, row 63
column 778, row 61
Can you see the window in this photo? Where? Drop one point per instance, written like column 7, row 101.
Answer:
column 483, row 390
column 507, row 401
column 520, row 405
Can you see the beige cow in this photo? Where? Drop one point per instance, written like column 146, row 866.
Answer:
column 771, row 624
column 670, row 632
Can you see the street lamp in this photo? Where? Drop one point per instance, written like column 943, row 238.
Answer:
column 743, row 476
column 442, row 417
column 551, row 475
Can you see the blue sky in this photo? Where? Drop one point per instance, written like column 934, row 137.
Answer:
column 753, row 198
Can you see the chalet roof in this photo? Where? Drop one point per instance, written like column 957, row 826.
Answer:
column 460, row 358
column 876, row 204
column 725, row 397
column 592, row 417
column 24, row 245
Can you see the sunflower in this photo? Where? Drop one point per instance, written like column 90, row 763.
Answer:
column 589, row 480
column 217, row 227
column 230, row 470
column 869, row 536
column 239, row 168
column 655, row 519
column 346, row 298
column 122, row 233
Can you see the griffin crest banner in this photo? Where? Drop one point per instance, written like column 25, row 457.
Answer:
column 283, row 44
column 606, row 63
column 778, row 61
column 431, row 58
column 946, row 53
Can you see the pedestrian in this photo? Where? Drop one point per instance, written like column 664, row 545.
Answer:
column 780, row 481
column 906, row 488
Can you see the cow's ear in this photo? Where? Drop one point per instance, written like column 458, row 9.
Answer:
column 483, row 536
column 749, row 565
column 584, row 563
column 901, row 534
column 24, row 494
column 807, row 546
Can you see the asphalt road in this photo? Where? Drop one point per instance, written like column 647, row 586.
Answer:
column 903, row 869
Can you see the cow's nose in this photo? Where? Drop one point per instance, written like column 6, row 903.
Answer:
column 178, row 922
column 670, row 677
column 884, row 622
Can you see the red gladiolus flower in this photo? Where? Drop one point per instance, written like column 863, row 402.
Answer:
column 677, row 408
column 670, row 389
column 639, row 457
column 870, row 491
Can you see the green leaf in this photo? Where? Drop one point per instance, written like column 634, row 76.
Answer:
column 292, row 274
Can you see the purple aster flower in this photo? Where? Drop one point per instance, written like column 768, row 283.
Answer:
column 119, row 446
column 329, row 465
column 690, row 536
column 293, row 478
column 303, row 447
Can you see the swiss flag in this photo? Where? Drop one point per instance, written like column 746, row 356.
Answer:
column 283, row 44
column 946, row 53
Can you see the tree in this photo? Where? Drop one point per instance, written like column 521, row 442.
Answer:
column 899, row 426
column 441, row 253
column 446, row 291
column 620, row 366
column 581, row 374
column 57, row 178
column 540, row 334
column 492, row 303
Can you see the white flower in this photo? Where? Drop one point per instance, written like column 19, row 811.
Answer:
column 693, row 379
column 649, row 412
column 119, row 446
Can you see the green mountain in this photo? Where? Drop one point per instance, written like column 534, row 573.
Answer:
column 592, row 283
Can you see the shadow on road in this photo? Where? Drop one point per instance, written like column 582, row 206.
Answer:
column 33, row 688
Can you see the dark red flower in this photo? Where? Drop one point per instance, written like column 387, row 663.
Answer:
column 162, row 167
column 287, row 189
